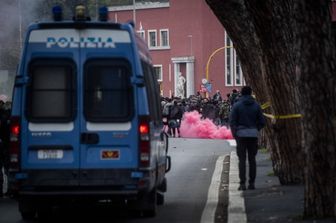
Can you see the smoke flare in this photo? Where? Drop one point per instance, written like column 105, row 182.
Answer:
column 193, row 126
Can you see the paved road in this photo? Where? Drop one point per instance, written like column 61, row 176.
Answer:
column 193, row 164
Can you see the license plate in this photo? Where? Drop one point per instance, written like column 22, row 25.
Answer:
column 110, row 154
column 50, row 154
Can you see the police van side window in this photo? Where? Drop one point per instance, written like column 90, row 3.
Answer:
column 51, row 92
column 157, row 96
column 108, row 93
column 152, row 92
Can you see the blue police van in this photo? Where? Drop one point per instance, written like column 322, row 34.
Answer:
column 86, row 119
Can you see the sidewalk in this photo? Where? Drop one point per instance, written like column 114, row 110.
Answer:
column 269, row 202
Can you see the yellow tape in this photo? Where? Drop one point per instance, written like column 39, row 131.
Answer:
column 282, row 116
column 266, row 105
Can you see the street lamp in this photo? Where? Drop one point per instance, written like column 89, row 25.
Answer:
column 134, row 16
column 210, row 57
column 20, row 24
column 191, row 49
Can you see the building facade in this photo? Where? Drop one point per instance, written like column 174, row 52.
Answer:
column 185, row 38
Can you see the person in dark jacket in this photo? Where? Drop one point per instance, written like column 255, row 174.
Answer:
column 246, row 120
column 175, row 116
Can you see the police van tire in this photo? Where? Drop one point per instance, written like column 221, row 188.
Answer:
column 27, row 209
column 29, row 215
column 163, row 186
column 145, row 205
column 151, row 209
column 44, row 214
column 160, row 198
column 44, row 211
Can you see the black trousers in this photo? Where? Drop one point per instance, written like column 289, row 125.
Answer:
column 249, row 146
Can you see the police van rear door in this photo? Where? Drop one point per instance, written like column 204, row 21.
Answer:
column 50, row 124
column 109, row 138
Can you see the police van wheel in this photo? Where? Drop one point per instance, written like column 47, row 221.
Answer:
column 44, row 213
column 163, row 186
column 29, row 215
column 151, row 209
column 27, row 209
column 160, row 198
column 144, row 206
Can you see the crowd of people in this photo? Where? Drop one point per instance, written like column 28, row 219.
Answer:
column 215, row 108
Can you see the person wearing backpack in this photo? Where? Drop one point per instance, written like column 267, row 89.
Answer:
column 165, row 112
column 224, row 112
column 175, row 116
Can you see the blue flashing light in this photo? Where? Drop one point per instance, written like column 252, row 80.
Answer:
column 103, row 14
column 57, row 13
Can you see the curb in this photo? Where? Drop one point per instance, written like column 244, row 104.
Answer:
column 236, row 208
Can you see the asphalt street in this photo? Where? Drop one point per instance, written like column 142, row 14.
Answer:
column 186, row 201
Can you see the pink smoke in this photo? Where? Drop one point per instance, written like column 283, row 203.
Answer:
column 192, row 126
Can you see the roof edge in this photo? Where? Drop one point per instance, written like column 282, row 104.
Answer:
column 137, row 6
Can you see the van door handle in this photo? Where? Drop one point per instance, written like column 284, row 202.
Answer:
column 89, row 138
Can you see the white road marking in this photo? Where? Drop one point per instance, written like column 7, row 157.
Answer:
column 208, row 215
column 236, row 208
column 232, row 142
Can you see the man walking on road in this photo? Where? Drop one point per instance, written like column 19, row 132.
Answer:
column 246, row 120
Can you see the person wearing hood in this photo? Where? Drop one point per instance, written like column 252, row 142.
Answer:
column 246, row 120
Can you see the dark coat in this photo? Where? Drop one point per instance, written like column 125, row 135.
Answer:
column 246, row 117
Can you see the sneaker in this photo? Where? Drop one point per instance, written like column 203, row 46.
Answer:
column 242, row 187
column 251, row 187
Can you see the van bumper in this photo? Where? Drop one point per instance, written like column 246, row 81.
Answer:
column 99, row 183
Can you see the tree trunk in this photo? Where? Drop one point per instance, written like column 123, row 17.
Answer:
column 264, row 48
column 317, row 80
column 297, row 79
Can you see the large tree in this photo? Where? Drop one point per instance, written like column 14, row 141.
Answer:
column 268, row 68
column 273, row 26
column 316, row 80
column 297, row 51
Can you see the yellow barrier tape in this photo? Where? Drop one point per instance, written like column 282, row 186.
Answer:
column 266, row 105
column 282, row 116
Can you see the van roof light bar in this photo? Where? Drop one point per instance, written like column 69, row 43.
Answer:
column 57, row 12
column 103, row 14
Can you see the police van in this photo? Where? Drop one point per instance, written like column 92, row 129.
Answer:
column 86, row 120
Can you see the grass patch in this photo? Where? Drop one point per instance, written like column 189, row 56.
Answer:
column 263, row 150
column 298, row 217
column 271, row 174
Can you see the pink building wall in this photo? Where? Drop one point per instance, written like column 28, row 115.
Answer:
column 193, row 31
